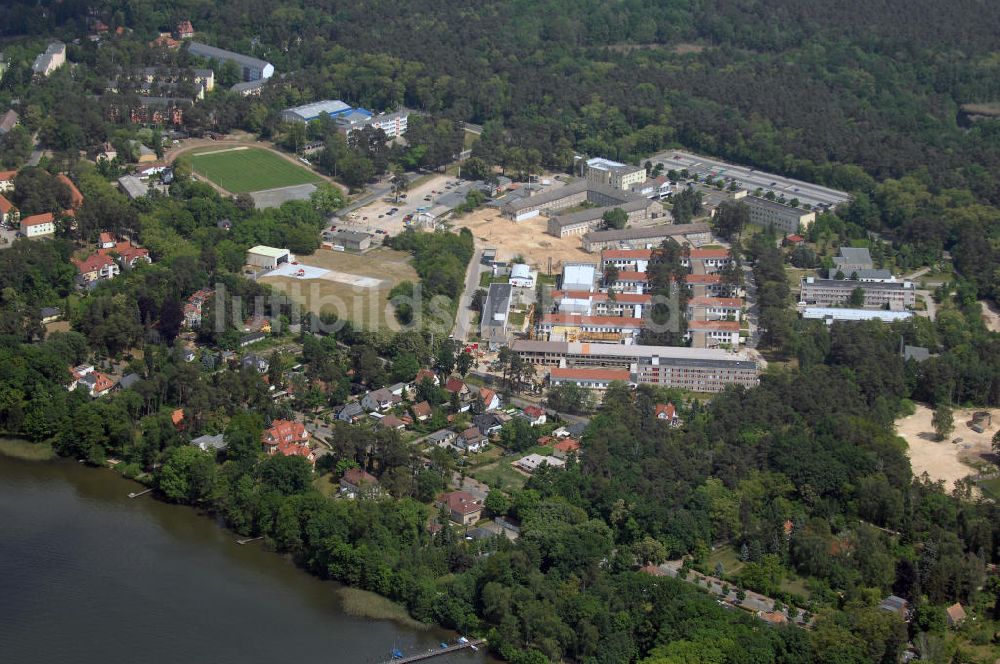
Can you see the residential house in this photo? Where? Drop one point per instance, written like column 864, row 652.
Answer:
column 185, row 30
column 488, row 423
column 8, row 120
column 75, row 197
column 472, row 440
column 463, row 508
column 289, row 439
column 209, row 443
column 667, row 412
column 94, row 268
column 897, row 605
column 194, row 306
column 106, row 241
column 955, row 615
column 7, row 180
column 533, row 462
column 351, row 412
column 126, row 252
column 566, row 447
column 356, row 483
column 427, row 374
column 400, row 390
column 164, row 40
column 49, row 314
column 252, row 338
column 534, row 415
column 392, row 422
column 490, row 399
column 421, row 411
column 38, row 225
column 456, row 386
column 96, row 384
column 380, row 399
column 442, row 438
column 8, row 213
column 255, row 362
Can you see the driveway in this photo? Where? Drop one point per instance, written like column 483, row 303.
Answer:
column 463, row 319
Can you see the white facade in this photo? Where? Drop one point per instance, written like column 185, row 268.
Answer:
column 268, row 257
column 615, row 174
column 522, row 276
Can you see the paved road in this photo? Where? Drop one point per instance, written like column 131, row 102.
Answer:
column 376, row 192
column 463, row 318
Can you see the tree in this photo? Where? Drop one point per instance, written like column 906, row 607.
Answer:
column 943, row 420
column 464, row 362
column 326, row 199
column 803, row 257
column 857, row 297
column 615, row 218
column 288, row 475
column 187, row 475
column 730, row 219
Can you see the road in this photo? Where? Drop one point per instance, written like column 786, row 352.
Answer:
column 463, row 318
column 376, row 192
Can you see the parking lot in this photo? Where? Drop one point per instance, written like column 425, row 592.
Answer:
column 390, row 216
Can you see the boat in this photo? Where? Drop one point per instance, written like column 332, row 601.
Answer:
column 462, row 639
column 443, row 644
column 397, row 653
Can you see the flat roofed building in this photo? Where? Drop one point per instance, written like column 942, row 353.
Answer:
column 496, row 312
column 650, row 236
column 574, row 193
column 268, row 257
column 713, row 333
column 251, row 69
column 695, row 369
column 591, row 379
column 351, row 240
column 310, row 112
column 833, row 315
column 577, row 327
column 614, row 174
column 633, row 260
column 579, row 276
column 714, row 308
column 584, row 221
column 784, row 218
column 897, row 295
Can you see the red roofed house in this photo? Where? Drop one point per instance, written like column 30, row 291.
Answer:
column 289, row 439
column 106, row 241
column 456, row 386
column 565, row 447
column 95, row 268
column 714, row 308
column 534, row 415
column 712, row 333
column 463, row 507
column 7, row 180
column 794, row 240
column 357, row 483
column 194, row 305
column 955, row 615
column 668, row 413
column 185, row 30
column 8, row 213
column 489, row 398
column 421, row 411
column 96, row 383
column 75, row 197
column 165, row 41
column 128, row 253
column 773, row 617
column 708, row 261
column 37, row 225
column 426, row 374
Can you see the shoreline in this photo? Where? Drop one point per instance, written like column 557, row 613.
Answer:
column 355, row 602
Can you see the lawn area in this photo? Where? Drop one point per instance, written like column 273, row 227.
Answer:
column 499, row 475
column 485, row 279
column 469, row 140
column 240, row 170
column 327, row 485
column 731, row 563
column 991, row 487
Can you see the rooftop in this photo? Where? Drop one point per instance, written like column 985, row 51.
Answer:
column 215, row 53
column 311, row 111
column 590, row 374
column 646, row 233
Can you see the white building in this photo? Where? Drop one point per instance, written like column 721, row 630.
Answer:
column 38, row 225
column 615, row 174
column 268, row 257
column 52, row 59
column 310, row 112
column 832, row 315
column 579, row 276
column 784, row 218
column 522, row 276
column 251, row 69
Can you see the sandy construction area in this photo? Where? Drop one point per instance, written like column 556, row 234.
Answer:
column 526, row 238
column 945, row 460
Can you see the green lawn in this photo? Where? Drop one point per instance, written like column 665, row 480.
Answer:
column 499, row 475
column 242, row 170
column 991, row 487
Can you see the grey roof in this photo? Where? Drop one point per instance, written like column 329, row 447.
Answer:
column 760, row 202
column 864, row 285
column 646, row 233
column 352, row 409
column 497, row 302
column 592, row 214
column 917, row 353
column 575, row 187
column 576, row 429
column 854, row 256
column 248, row 86
column 443, row 434
column 216, row 442
column 216, row 53
column 862, row 274
column 625, row 354
column 8, row 120
column 133, row 187
column 128, row 380
column 353, row 236
column 45, row 312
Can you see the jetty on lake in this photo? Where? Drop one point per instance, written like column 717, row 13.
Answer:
column 462, row 644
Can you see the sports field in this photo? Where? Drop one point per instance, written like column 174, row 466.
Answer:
column 240, row 169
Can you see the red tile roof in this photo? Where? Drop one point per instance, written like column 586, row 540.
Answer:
column 590, row 374
column 38, row 219
column 624, row 298
column 486, row 394
column 702, row 254
column 421, row 410
column 358, row 477
column 733, row 302
column 567, row 446
column 75, row 197
column 533, row 412
column 703, row 279
column 460, row 502
column 7, row 176
column 285, row 431
column 454, row 385
column 5, row 205
column 632, row 276
column 727, row 325
column 667, row 410
column 92, row 263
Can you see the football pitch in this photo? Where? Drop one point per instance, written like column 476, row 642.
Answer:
column 239, row 170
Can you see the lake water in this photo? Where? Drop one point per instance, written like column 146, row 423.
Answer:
column 89, row 576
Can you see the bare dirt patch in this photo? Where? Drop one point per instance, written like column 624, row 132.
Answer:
column 362, row 301
column 945, row 460
column 525, row 238
column 991, row 317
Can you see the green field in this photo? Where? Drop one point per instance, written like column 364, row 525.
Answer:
column 242, row 170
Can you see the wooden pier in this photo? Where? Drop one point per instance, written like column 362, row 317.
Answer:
column 471, row 643
column 141, row 493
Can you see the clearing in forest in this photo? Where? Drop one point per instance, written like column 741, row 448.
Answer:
column 241, row 169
